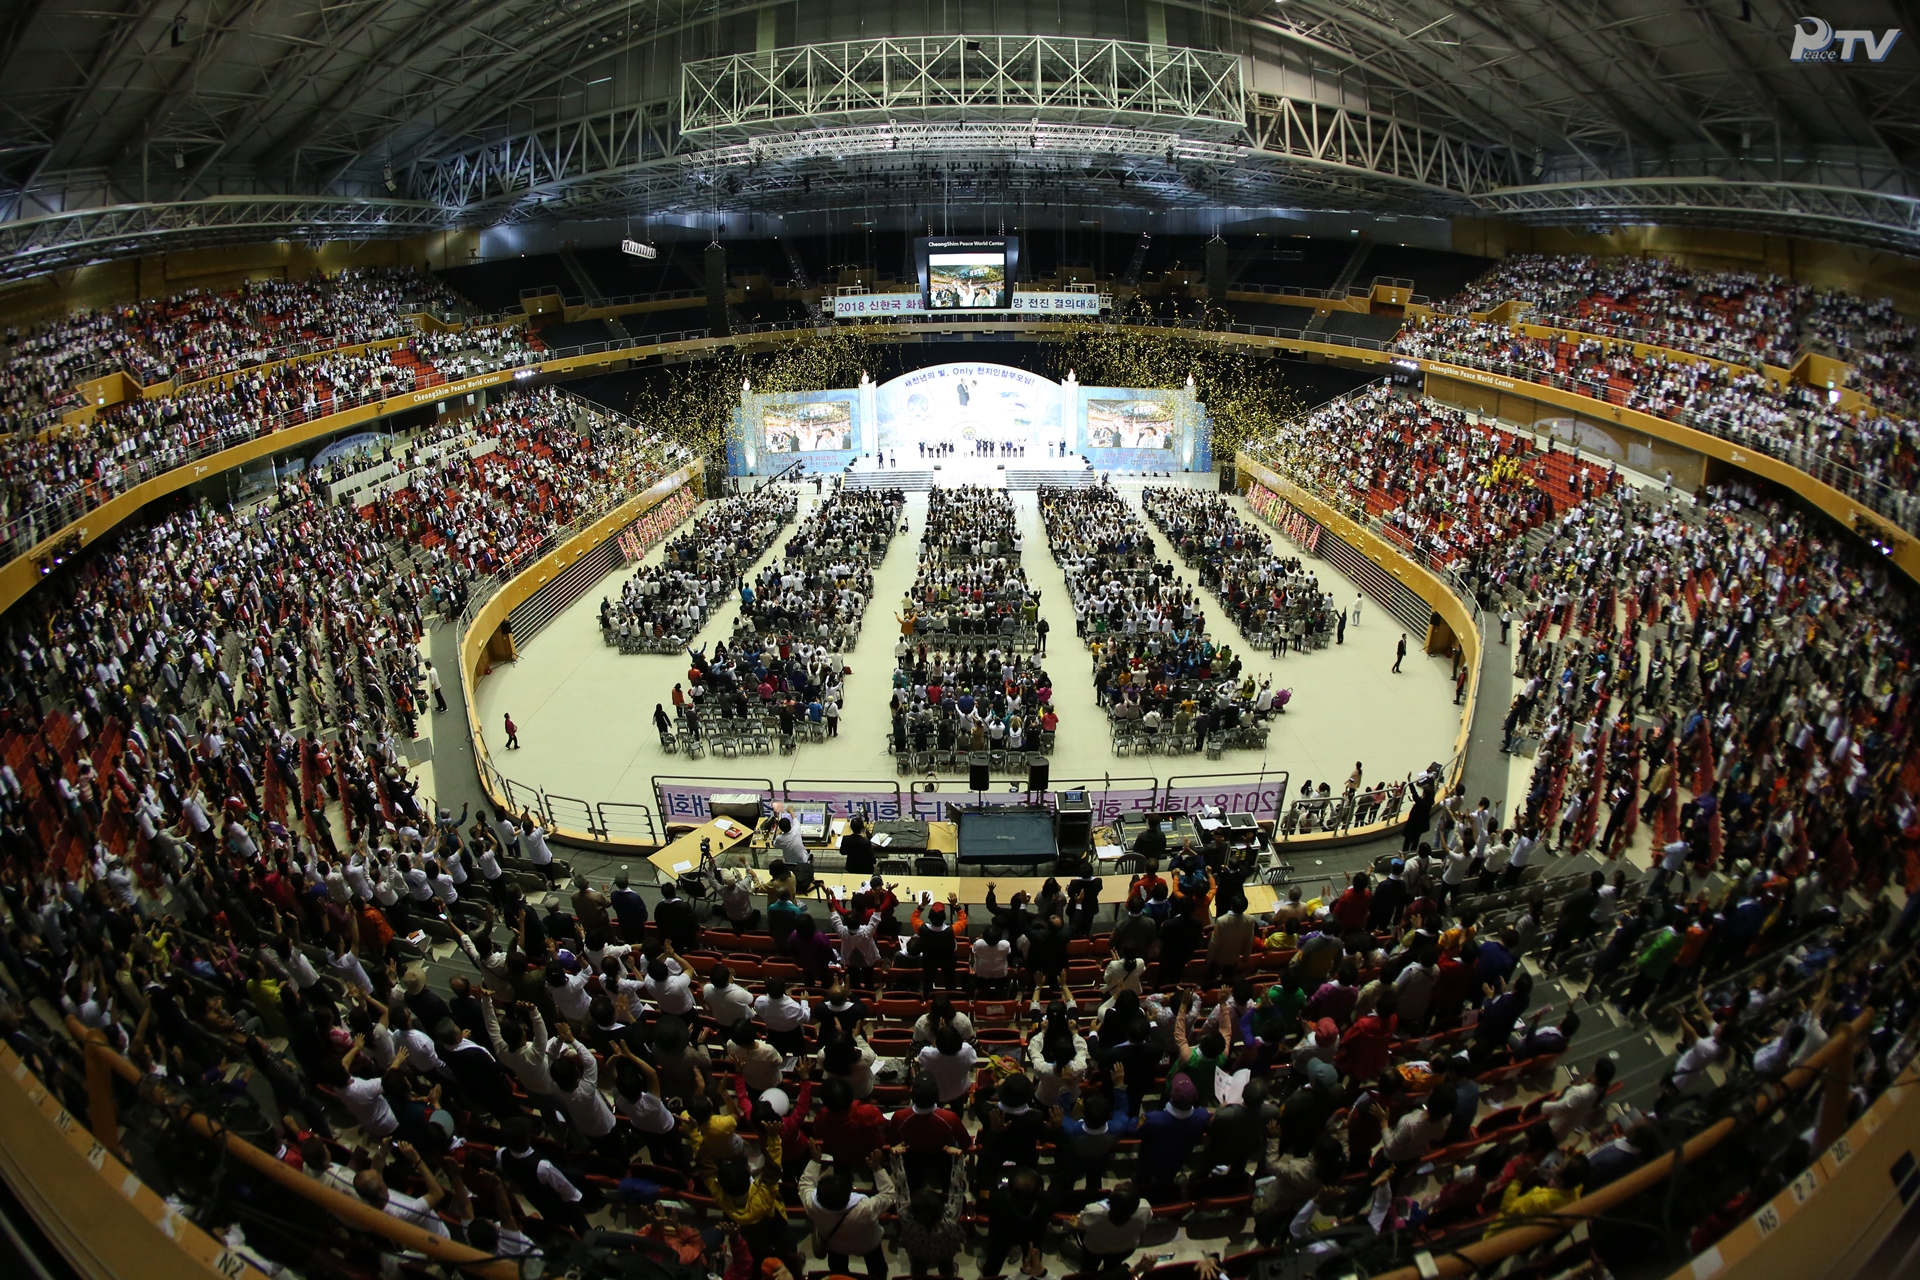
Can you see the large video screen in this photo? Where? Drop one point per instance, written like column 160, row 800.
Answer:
column 819, row 427
column 1130, row 424
column 958, row 274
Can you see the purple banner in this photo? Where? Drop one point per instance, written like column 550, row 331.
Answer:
column 880, row 805
column 1260, row 799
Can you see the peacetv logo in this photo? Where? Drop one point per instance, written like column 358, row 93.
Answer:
column 1817, row 45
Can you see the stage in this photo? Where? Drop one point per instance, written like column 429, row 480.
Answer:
column 977, row 423
column 1018, row 475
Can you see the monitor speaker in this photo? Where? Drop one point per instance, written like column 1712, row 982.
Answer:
column 1073, row 832
column 977, row 779
column 1037, row 776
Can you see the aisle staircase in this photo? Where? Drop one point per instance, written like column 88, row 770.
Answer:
column 905, row 481
column 1022, row 480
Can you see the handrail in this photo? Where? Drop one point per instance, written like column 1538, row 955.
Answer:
column 1481, row 1255
column 349, row 1209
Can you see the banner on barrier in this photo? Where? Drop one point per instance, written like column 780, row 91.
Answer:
column 897, row 304
column 687, row 802
column 1261, row 799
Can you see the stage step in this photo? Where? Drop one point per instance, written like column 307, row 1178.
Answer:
column 905, row 481
column 1059, row 478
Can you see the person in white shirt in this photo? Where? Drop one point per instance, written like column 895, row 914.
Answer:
column 365, row 1100
column 522, row 1048
column 990, row 954
column 419, row 1211
column 794, row 852
column 416, row 1047
column 347, row 967
column 1110, row 1231
column 727, row 1002
column 442, row 882
column 847, row 1221
column 760, row 1064
column 1523, row 843
column 949, row 1062
column 1575, row 1108
column 668, row 987
column 576, row 1081
column 784, row 1015
column 533, row 839
column 636, row 1098
column 859, row 948
column 419, row 886
column 1702, row 1049
column 569, row 992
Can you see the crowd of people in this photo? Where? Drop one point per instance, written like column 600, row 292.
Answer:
column 202, row 333
column 1439, row 484
column 1735, row 324
column 52, row 472
column 214, row 857
column 670, row 601
column 1343, row 1064
column 822, row 586
column 1158, row 673
column 1730, row 314
column 556, row 461
column 1275, row 600
column 970, row 664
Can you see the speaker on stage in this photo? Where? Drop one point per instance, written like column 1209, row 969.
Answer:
column 1037, row 777
column 977, row 779
column 1226, row 478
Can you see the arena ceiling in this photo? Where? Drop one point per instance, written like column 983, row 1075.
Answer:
column 130, row 125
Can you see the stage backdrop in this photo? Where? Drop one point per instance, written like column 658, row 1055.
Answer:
column 971, row 409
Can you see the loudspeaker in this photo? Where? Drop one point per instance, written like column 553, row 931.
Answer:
column 1216, row 272
column 1037, row 776
column 717, row 322
column 1073, row 822
column 977, row 779
column 1227, row 484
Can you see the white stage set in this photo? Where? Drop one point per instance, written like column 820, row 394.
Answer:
column 971, row 423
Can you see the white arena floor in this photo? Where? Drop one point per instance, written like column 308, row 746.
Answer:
column 584, row 710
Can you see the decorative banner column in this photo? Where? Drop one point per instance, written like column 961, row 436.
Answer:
column 867, row 439
column 1073, row 419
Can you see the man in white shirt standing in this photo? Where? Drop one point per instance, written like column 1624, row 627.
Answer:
column 793, row 851
column 847, row 1221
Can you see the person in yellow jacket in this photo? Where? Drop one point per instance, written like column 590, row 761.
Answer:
column 1527, row 1197
column 752, row 1201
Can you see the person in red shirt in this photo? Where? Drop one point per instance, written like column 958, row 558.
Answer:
column 848, row 1128
column 1362, row 1054
column 1350, row 908
column 926, row 1129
